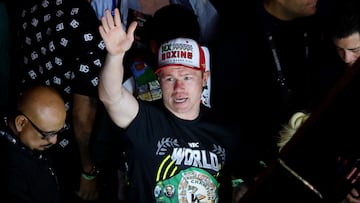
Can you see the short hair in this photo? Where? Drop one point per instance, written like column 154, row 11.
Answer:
column 345, row 20
column 172, row 21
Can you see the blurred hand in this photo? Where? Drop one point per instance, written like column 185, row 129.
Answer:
column 352, row 197
column 88, row 189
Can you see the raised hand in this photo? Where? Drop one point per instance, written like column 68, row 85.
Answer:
column 117, row 40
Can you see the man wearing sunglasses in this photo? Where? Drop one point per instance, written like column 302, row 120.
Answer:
column 26, row 173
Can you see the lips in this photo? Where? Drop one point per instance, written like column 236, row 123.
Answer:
column 180, row 100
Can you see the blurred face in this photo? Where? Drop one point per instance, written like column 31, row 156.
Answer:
column 292, row 9
column 37, row 136
column 348, row 48
column 181, row 88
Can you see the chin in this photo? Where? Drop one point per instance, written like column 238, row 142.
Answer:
column 42, row 148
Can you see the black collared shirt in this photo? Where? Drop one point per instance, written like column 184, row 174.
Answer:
column 26, row 176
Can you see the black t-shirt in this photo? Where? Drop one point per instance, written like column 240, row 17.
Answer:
column 170, row 159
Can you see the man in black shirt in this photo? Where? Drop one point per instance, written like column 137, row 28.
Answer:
column 174, row 143
column 27, row 174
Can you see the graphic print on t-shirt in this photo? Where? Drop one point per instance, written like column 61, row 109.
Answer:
column 187, row 174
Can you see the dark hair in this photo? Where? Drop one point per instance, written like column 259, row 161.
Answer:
column 170, row 22
column 345, row 20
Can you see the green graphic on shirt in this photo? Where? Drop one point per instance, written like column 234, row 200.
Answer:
column 192, row 185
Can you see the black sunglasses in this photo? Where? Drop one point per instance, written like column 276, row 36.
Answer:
column 44, row 134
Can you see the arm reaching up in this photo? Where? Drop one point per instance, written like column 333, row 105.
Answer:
column 121, row 105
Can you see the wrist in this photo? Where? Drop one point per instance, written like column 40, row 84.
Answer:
column 92, row 174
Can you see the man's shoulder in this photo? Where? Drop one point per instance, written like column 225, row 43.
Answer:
column 11, row 155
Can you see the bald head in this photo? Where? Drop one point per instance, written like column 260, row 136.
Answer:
column 44, row 105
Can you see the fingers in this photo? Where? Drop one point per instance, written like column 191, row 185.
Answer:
column 117, row 17
column 109, row 19
column 104, row 25
column 112, row 32
column 355, row 193
column 132, row 28
column 350, row 198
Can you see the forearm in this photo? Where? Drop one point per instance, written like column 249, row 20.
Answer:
column 111, row 79
column 84, row 112
column 119, row 103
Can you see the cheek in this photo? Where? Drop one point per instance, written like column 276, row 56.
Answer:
column 166, row 90
column 166, row 86
column 357, row 55
column 341, row 53
column 28, row 141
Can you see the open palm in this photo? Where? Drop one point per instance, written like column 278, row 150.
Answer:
column 117, row 40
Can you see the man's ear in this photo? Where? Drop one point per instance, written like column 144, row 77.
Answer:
column 205, row 78
column 19, row 122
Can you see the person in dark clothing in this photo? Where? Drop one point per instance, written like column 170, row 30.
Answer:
column 174, row 143
column 344, row 31
column 59, row 45
column 270, row 64
column 27, row 173
column 168, row 22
